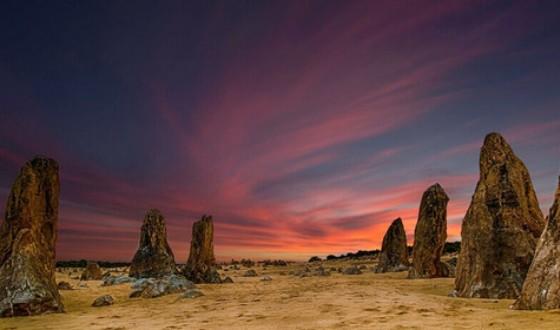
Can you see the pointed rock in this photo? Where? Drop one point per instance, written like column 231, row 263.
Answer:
column 394, row 252
column 430, row 235
column 501, row 228
column 200, row 267
column 92, row 272
column 541, row 289
column 27, row 242
column 154, row 257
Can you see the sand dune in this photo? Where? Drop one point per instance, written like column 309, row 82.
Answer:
column 367, row 301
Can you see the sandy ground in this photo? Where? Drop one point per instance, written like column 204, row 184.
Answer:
column 366, row 301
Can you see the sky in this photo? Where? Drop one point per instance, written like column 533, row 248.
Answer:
column 304, row 127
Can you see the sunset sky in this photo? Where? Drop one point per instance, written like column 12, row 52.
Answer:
column 304, row 127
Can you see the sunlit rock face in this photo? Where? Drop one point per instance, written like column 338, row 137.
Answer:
column 501, row 228
column 154, row 257
column 394, row 252
column 27, row 242
column 430, row 235
column 200, row 267
column 541, row 289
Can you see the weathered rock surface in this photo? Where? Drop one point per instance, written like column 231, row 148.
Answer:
column 394, row 252
column 352, row 270
column 154, row 257
column 27, row 242
column 62, row 285
column 430, row 235
column 116, row 280
column 501, row 228
column 92, row 272
column 250, row 273
column 200, row 267
column 541, row 289
column 105, row 300
column 157, row 287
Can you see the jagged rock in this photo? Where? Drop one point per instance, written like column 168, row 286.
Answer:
column 92, row 272
column 154, row 257
column 200, row 267
column 430, row 235
column 541, row 289
column 157, row 287
column 62, row 285
column 105, row 300
column 394, row 252
column 27, row 242
column 250, row 273
column 501, row 228
column 116, row 280
column 352, row 270
column 192, row 293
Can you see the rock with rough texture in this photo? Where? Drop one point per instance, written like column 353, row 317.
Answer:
column 192, row 294
column 62, row 285
column 501, row 228
column 157, row 287
column 541, row 289
column 105, row 300
column 92, row 272
column 200, row 267
column 352, row 270
column 430, row 235
column 394, row 252
column 27, row 242
column 116, row 280
column 154, row 257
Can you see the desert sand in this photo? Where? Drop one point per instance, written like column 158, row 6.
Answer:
column 366, row 301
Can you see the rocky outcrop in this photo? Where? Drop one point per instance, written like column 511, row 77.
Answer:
column 27, row 242
column 394, row 252
column 157, row 287
column 501, row 228
column 541, row 289
column 154, row 257
column 92, row 272
column 430, row 235
column 200, row 267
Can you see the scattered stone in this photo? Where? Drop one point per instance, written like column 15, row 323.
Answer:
column 227, row 280
column 266, row 278
column 116, row 280
column 62, row 285
column 154, row 257
column 200, row 265
column 394, row 251
column 157, row 287
column 541, row 289
column 92, row 272
column 250, row 273
column 352, row 270
column 105, row 300
column 192, row 293
column 27, row 242
column 430, row 235
column 501, row 228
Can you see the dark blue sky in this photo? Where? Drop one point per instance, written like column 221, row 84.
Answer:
column 304, row 127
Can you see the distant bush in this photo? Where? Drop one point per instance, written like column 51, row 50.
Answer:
column 83, row 263
column 274, row 262
column 452, row 247
column 331, row 257
column 314, row 259
column 247, row 263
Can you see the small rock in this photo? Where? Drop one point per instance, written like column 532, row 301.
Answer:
column 62, row 285
column 227, row 280
column 266, row 278
column 105, row 300
column 250, row 273
column 353, row 270
column 192, row 293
